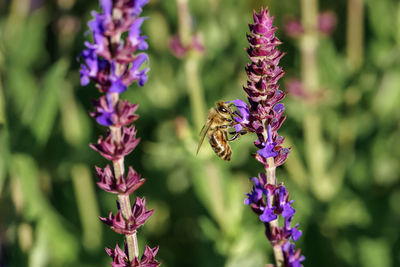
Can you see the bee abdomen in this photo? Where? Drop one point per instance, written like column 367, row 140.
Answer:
column 220, row 145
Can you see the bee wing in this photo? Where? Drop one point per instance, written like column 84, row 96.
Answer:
column 206, row 127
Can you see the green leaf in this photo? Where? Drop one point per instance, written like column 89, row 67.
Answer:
column 74, row 119
column 375, row 252
column 26, row 45
column 47, row 102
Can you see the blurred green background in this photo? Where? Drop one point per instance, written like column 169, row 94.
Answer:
column 343, row 127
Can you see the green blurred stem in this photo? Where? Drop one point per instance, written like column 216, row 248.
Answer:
column 2, row 106
column 196, row 96
column 355, row 33
column 309, row 44
column 185, row 34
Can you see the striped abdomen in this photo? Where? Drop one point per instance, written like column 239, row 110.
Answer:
column 219, row 143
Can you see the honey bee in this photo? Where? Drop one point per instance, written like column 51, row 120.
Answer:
column 219, row 120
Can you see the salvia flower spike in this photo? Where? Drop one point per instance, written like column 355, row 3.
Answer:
column 112, row 62
column 263, row 115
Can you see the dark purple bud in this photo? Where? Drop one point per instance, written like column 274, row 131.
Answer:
column 128, row 226
column 148, row 258
column 283, row 153
column 125, row 113
column 120, row 258
column 122, row 185
column 112, row 151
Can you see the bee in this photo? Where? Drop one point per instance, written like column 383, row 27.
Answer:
column 219, row 120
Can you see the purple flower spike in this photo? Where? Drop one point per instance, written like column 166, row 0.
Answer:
column 263, row 116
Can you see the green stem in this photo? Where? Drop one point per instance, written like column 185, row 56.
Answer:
column 271, row 179
column 123, row 199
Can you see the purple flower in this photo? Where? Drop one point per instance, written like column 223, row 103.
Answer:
column 111, row 150
column 120, row 185
column 120, row 258
column 256, row 194
column 128, row 226
column 292, row 257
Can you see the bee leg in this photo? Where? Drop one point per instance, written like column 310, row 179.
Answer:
column 242, row 132
column 234, row 137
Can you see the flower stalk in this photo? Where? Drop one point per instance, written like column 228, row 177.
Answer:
column 112, row 63
column 263, row 115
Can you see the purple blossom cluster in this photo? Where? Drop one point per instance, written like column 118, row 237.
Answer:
column 263, row 115
column 112, row 63
column 269, row 201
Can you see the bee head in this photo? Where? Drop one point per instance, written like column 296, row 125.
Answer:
column 223, row 109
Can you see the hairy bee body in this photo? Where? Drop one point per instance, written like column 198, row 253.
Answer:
column 218, row 141
column 219, row 120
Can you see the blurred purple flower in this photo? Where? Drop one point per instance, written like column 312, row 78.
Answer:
column 327, row 22
column 293, row 28
column 180, row 51
column 326, row 25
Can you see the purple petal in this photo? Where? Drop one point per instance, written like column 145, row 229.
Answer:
column 288, row 211
column 138, row 4
column 138, row 61
column 105, row 119
column 267, row 151
column 268, row 215
column 278, row 108
column 117, row 87
column 134, row 32
column 296, row 234
column 143, row 77
column 106, row 5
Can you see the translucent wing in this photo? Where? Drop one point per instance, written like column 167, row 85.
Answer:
column 203, row 134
